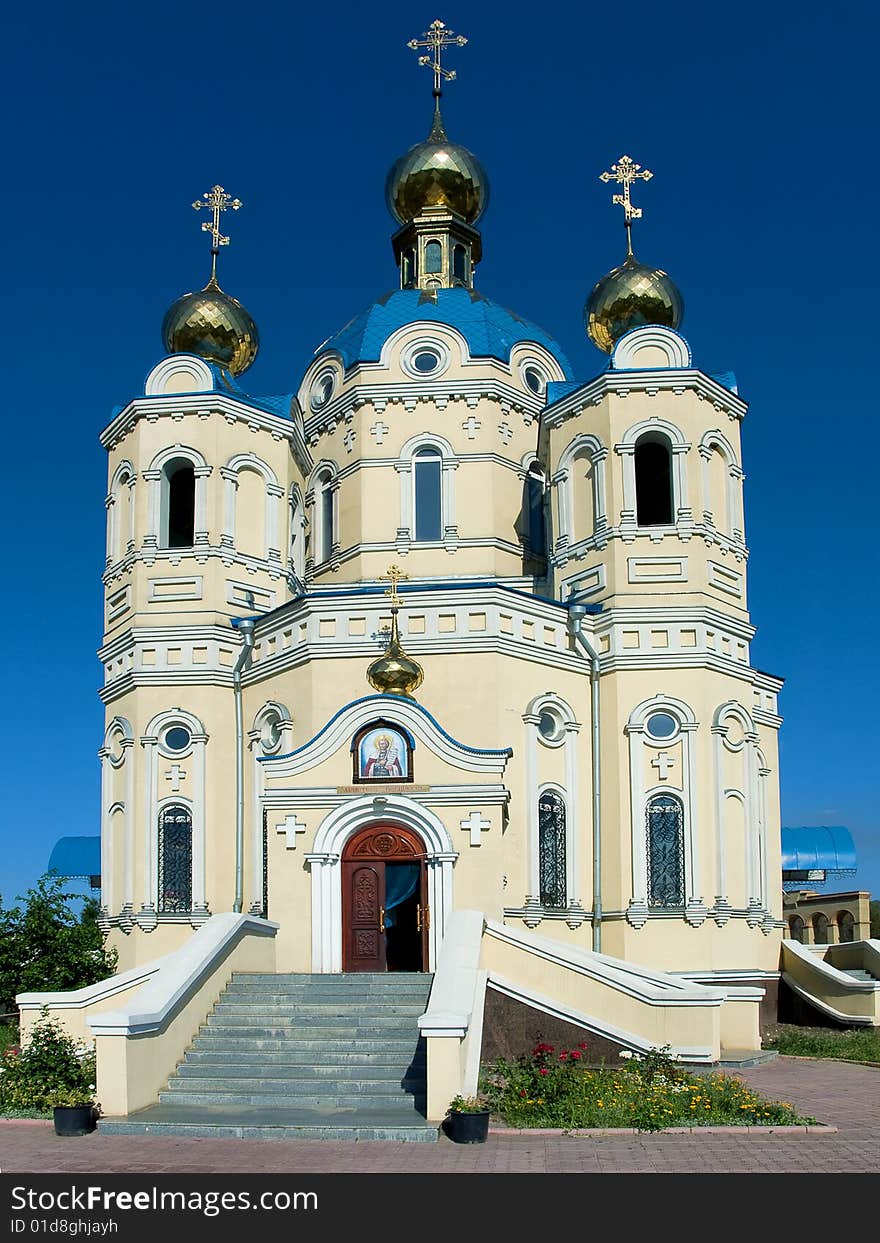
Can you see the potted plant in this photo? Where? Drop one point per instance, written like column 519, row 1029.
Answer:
column 75, row 1111
column 467, row 1121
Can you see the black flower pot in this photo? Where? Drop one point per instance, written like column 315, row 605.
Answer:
column 468, row 1128
column 74, row 1119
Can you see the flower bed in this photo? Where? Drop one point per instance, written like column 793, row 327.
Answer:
column 556, row 1088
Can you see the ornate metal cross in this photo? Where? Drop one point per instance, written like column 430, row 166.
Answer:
column 394, row 576
column 437, row 38
column 216, row 200
column 625, row 172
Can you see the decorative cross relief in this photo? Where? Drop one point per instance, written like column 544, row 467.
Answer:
column 348, row 440
column 476, row 824
column 290, row 827
column 471, row 426
column 379, row 431
column 663, row 763
column 175, row 775
column 506, row 432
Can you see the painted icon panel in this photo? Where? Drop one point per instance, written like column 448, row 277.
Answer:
column 382, row 754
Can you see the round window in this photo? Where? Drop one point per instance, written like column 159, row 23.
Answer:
column 270, row 734
column 535, row 381
column 322, row 391
column 549, row 726
column 177, row 738
column 426, row 361
column 661, row 725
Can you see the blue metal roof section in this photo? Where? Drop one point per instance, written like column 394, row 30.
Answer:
column 76, row 857
column 490, row 330
column 825, row 848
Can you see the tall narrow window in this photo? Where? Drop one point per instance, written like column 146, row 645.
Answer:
column 433, row 257
column 820, row 928
column 846, row 926
column 428, row 506
column 665, row 851
column 175, row 859
column 551, row 849
column 181, row 485
column 326, row 534
column 534, row 507
column 409, row 268
column 459, row 264
column 796, row 928
column 653, row 468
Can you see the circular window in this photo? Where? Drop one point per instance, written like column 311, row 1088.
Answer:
column 535, row 380
column 177, row 738
column 661, row 725
column 322, row 390
column 426, row 361
column 270, row 733
column 550, row 726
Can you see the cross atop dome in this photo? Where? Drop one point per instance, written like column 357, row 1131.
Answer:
column 625, row 172
column 437, row 38
column 216, row 200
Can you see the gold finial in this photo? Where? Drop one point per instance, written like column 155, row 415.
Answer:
column 437, row 38
column 626, row 171
column 394, row 576
column 216, row 200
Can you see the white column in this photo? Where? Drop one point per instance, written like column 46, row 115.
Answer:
column 533, row 895
column 718, row 735
column 679, row 461
column 257, row 885
column 273, row 539
column 201, row 504
column 706, row 499
column 132, row 498
column 199, row 906
column 600, row 510
column 695, row 908
column 107, row 894
column 572, row 816
column 127, row 747
column 153, row 478
column 230, row 486
column 147, row 914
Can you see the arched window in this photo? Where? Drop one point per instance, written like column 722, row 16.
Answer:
column 428, row 503
column 324, row 518
column 846, row 926
column 534, row 509
column 653, row 471
column 665, row 816
column 433, row 257
column 409, row 268
column 796, row 928
column 820, row 928
column 175, row 859
column 551, row 849
column 459, row 264
column 179, row 508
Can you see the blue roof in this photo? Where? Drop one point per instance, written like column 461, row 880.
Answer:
column 490, row 330
column 820, row 848
column 76, row 856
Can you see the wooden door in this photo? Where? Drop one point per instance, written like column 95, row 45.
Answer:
column 363, row 894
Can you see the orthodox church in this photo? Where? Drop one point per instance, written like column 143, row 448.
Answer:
column 440, row 665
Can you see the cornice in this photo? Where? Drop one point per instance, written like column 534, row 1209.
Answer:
column 622, row 383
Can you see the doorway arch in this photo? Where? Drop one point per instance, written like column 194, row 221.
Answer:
column 325, row 862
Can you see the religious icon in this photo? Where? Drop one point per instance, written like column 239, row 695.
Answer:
column 382, row 754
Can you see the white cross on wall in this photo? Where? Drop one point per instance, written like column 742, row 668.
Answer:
column 348, row 440
column 175, row 775
column 663, row 764
column 379, row 430
column 471, row 426
column 506, row 432
column 476, row 824
column 290, row 827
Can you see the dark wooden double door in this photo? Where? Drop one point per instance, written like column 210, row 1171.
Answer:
column 385, row 912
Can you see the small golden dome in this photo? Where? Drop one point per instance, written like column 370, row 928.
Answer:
column 394, row 673
column 629, row 297
column 213, row 325
column 437, row 173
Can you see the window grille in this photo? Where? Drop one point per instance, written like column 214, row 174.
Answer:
column 551, row 849
column 175, row 859
column 665, row 851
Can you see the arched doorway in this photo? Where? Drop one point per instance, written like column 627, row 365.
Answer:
column 385, row 911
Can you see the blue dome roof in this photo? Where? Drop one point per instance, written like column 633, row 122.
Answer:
column 490, row 330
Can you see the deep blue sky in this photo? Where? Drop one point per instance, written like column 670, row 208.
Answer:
column 759, row 122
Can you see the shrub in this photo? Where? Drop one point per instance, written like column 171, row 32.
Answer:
column 50, row 1069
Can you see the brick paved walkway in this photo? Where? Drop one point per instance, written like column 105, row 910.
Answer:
column 847, row 1096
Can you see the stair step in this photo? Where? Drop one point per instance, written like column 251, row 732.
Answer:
column 390, row 1102
column 307, row 1010
column 342, row 1059
column 252, row 1122
column 297, row 1072
column 287, row 1042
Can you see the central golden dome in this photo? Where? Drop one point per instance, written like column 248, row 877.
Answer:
column 631, row 296
column 394, row 673
column 437, row 173
column 214, row 326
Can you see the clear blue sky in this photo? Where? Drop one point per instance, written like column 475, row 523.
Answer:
column 759, row 121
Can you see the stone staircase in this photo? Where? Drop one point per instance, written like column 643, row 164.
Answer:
column 301, row 1057
column 859, row 973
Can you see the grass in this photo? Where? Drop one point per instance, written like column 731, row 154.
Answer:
column 553, row 1088
column 857, row 1045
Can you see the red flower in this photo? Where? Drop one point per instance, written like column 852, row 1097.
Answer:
column 582, row 1045
column 563, row 1057
column 541, row 1049
column 543, row 1071
column 575, row 1054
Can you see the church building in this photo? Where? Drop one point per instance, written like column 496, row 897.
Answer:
column 435, row 674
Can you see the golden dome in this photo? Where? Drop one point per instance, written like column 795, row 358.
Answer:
column 394, row 673
column 214, row 326
column 629, row 297
column 437, row 173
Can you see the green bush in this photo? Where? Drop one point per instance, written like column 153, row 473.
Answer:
column 551, row 1088
column 52, row 1068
